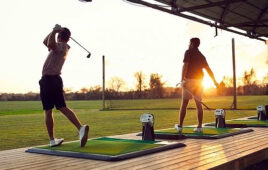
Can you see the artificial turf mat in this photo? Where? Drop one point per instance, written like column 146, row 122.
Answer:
column 106, row 146
column 249, row 122
column 208, row 133
column 109, row 149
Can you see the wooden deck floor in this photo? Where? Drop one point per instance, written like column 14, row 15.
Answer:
column 236, row 152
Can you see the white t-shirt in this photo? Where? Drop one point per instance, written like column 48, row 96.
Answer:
column 55, row 59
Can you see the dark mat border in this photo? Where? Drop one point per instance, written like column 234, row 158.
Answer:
column 229, row 125
column 253, row 117
column 104, row 157
column 185, row 136
column 169, row 136
column 239, row 125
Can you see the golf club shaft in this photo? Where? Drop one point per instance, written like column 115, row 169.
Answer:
column 196, row 98
column 79, row 44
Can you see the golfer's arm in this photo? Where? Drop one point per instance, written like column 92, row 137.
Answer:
column 184, row 70
column 50, row 41
column 210, row 73
column 46, row 39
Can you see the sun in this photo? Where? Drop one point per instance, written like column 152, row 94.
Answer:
column 207, row 82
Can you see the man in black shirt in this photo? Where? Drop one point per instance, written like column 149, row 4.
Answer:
column 192, row 76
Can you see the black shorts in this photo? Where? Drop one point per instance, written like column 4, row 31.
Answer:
column 51, row 92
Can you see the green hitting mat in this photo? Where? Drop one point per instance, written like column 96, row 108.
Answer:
column 208, row 133
column 108, row 149
column 243, row 123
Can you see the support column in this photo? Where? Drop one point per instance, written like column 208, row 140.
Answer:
column 266, row 51
column 103, row 82
column 234, row 106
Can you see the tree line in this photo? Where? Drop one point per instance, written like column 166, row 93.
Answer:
column 249, row 85
column 155, row 88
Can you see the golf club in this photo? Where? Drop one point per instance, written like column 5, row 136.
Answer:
column 88, row 56
column 196, row 98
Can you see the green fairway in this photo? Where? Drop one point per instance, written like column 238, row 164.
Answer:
column 35, row 107
column 22, row 123
column 106, row 146
column 243, row 102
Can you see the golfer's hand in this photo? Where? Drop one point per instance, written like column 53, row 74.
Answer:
column 183, row 83
column 57, row 28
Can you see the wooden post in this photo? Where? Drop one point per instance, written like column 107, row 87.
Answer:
column 103, row 82
column 234, row 74
column 266, row 51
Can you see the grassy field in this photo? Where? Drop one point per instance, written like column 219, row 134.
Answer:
column 22, row 123
column 243, row 102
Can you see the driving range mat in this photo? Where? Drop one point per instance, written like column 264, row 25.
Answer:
column 242, row 123
column 208, row 133
column 108, row 149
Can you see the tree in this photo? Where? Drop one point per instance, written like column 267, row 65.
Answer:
column 249, row 78
column 84, row 90
column 250, row 82
column 265, row 80
column 156, row 85
column 221, row 88
column 140, row 77
column 67, row 90
column 227, row 81
column 116, row 83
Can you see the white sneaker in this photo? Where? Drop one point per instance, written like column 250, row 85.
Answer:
column 83, row 135
column 198, row 130
column 178, row 128
column 55, row 142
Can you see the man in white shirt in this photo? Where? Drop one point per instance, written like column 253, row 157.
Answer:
column 51, row 85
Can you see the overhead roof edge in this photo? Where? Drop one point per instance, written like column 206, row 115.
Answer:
column 228, row 27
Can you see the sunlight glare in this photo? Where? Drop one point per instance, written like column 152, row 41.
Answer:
column 207, row 82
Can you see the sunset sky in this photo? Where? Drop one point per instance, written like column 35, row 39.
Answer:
column 132, row 38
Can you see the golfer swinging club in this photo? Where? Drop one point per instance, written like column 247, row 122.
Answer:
column 51, row 86
column 192, row 76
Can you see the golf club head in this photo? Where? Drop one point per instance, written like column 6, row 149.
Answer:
column 85, row 0
column 88, row 56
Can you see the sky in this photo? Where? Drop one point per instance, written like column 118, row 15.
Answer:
column 132, row 38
